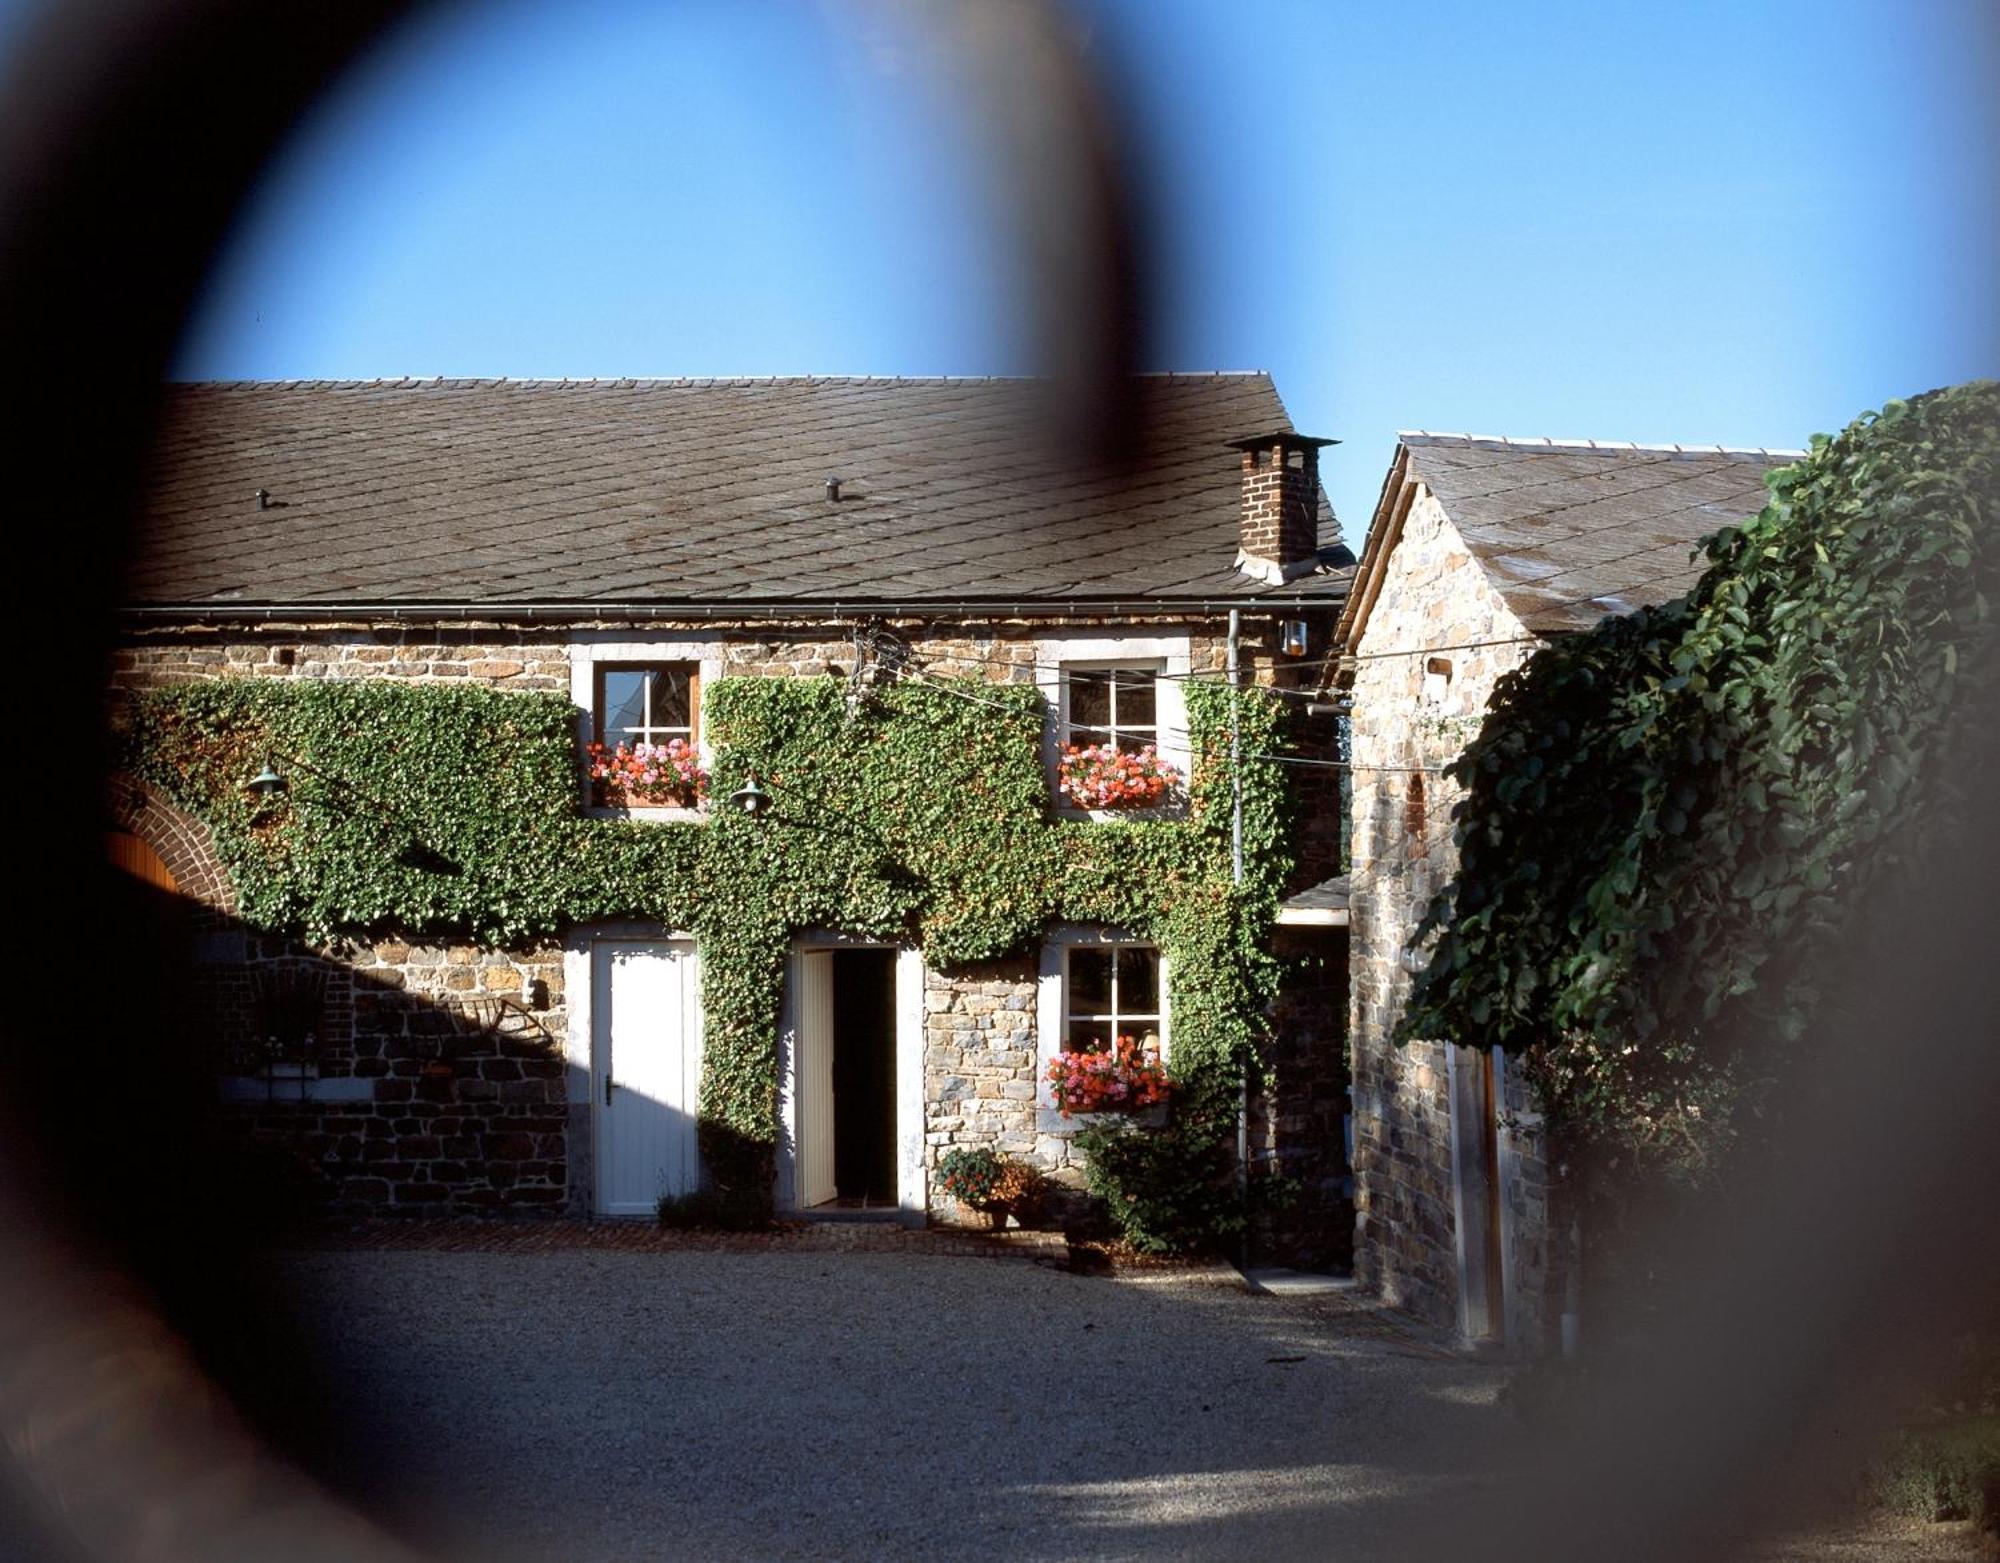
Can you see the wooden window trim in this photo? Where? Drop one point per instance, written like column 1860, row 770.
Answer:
column 597, row 712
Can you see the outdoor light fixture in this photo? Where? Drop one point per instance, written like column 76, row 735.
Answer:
column 267, row 783
column 1292, row 637
column 750, row 798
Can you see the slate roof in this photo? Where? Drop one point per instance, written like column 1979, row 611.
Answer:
column 709, row 491
column 1569, row 531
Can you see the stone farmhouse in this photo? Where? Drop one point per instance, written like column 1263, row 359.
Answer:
column 633, row 546
column 1479, row 551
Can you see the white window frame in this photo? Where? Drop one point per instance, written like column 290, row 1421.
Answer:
column 591, row 648
column 1171, row 656
column 1052, row 1012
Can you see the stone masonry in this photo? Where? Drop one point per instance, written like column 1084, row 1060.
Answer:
column 434, row 1075
column 979, row 1066
column 1420, row 687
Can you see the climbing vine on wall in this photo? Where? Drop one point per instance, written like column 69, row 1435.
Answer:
column 1669, row 819
column 920, row 814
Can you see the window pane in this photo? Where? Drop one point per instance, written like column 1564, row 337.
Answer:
column 1136, row 702
column 1089, row 982
column 624, row 706
column 670, row 697
column 1138, row 982
column 1087, row 1036
column 1089, row 699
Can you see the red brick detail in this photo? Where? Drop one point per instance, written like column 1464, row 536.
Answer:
column 1280, row 520
column 183, row 843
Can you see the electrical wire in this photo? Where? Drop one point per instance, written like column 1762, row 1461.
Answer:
column 933, row 681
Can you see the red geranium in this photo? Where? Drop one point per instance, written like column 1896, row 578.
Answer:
column 667, row 775
column 1103, row 776
column 1121, row 1078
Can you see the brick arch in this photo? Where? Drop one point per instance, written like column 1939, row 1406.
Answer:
column 182, row 842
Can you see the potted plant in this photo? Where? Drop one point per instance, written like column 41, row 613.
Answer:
column 1123, row 1077
column 667, row 775
column 1103, row 776
column 986, row 1180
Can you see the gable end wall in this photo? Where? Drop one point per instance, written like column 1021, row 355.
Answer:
column 1434, row 600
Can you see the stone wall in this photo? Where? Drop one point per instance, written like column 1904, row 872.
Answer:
column 1420, row 689
column 979, row 1069
column 1297, row 1108
column 404, row 1100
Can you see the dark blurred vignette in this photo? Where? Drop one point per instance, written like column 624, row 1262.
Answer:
column 134, row 130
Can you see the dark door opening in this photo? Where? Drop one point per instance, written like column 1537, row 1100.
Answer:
column 864, row 1076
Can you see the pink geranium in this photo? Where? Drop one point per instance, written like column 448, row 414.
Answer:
column 1121, row 1078
column 1103, row 776
column 667, row 775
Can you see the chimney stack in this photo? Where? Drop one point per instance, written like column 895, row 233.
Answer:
column 1278, row 528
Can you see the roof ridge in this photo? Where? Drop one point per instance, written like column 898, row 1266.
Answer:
column 399, row 382
column 1539, row 442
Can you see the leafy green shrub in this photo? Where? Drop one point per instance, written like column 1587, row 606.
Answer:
column 1167, row 1191
column 1669, row 819
column 717, row 1210
column 986, row 1179
column 972, row 1174
column 1947, row 1472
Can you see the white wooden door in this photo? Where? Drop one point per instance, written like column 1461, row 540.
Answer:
column 815, row 1078
column 646, row 1072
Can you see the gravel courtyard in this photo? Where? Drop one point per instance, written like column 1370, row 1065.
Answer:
column 589, row 1404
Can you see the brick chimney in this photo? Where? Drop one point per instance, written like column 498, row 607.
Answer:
column 1278, row 527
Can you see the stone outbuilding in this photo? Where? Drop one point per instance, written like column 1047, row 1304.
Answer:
column 1479, row 551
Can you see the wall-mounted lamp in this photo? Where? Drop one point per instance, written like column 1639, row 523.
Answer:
column 751, row 799
column 266, row 784
column 1292, row 637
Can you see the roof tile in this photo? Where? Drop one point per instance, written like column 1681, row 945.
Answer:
column 490, row 491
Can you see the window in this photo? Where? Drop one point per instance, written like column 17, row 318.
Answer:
column 1095, row 984
column 1112, row 697
column 1119, row 706
column 1109, row 991
column 1110, row 751
column 651, row 703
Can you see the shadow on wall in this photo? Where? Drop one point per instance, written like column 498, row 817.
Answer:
column 257, row 1079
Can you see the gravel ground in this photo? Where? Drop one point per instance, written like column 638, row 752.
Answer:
column 583, row 1405
column 510, row 1396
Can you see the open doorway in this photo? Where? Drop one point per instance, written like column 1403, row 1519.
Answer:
column 847, row 1080
column 864, row 1077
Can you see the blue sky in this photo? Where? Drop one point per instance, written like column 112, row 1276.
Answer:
column 1693, row 222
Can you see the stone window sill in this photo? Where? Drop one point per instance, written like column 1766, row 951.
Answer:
column 645, row 816
column 1163, row 811
column 1049, row 1121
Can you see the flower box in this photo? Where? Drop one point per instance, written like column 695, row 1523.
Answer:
column 985, row 1180
column 647, row 776
column 1123, row 1078
column 1103, row 776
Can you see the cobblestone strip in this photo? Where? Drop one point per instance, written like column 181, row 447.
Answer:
column 471, row 1235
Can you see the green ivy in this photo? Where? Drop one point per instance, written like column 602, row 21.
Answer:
column 921, row 813
column 1668, row 820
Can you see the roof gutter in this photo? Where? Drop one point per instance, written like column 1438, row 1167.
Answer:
column 765, row 608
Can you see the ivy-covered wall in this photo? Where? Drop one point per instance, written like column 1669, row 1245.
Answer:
column 439, row 812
